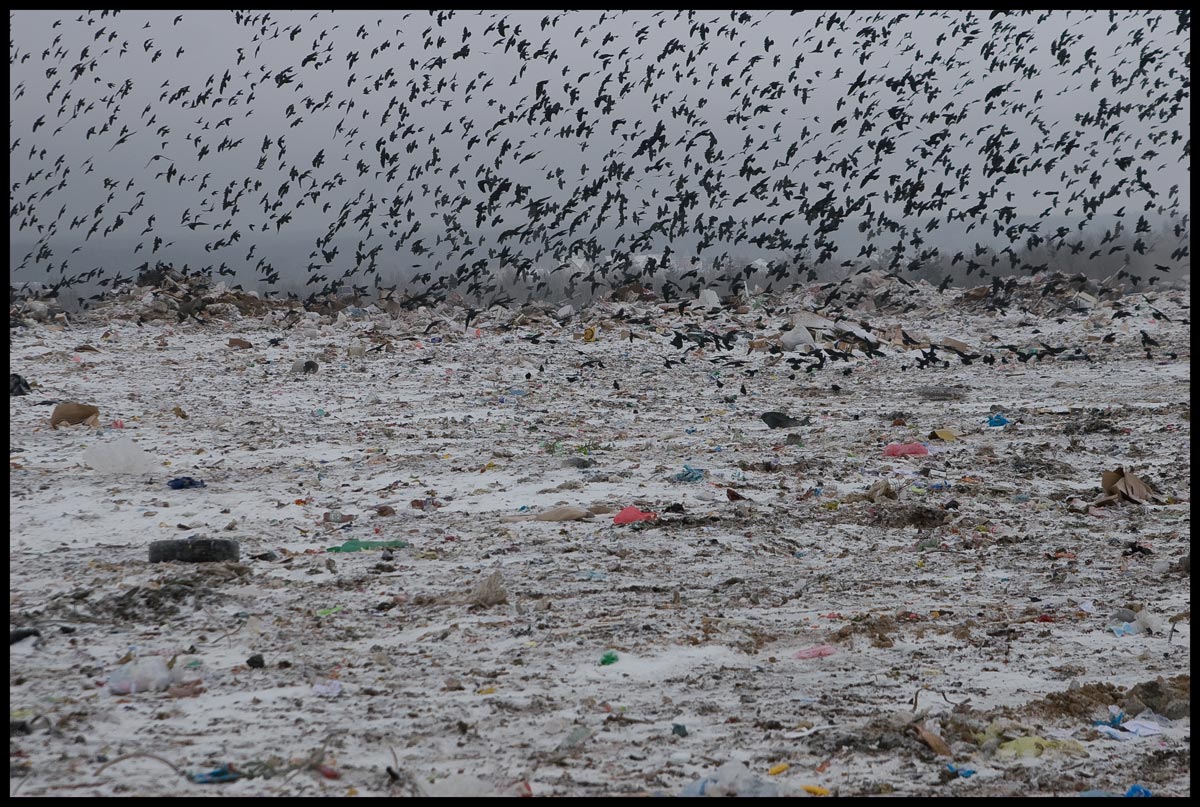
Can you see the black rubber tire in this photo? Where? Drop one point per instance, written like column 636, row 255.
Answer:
column 196, row 549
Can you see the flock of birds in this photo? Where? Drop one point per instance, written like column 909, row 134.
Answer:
column 456, row 147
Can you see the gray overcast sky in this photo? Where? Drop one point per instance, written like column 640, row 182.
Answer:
column 399, row 129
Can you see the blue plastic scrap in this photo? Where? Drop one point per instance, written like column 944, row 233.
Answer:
column 1134, row 792
column 998, row 420
column 225, row 773
column 689, row 474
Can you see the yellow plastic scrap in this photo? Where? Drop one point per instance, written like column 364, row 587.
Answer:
column 946, row 434
column 1024, row 747
column 815, row 790
column 589, row 335
column 778, row 769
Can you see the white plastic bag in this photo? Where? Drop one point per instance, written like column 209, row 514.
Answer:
column 120, row 456
column 148, row 674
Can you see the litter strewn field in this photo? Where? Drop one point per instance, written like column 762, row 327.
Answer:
column 431, row 595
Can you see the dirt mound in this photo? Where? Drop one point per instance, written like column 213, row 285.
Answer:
column 1171, row 699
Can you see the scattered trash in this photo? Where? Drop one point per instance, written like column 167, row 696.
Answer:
column 578, row 462
column 194, row 549
column 1025, row 747
column 904, row 450
column 118, row 457
column 630, row 514
column 240, row 344
column 489, row 591
column 355, row 545
column 939, row 394
column 152, row 674
column 74, row 414
column 17, row 385
column 327, row 689
column 933, row 740
column 609, row 657
column 148, row 674
column 784, row 550
column 778, row 420
column 460, row 785
column 732, row 779
column 878, row 491
column 797, row 337
column 575, row 738
column 689, row 474
column 1134, row 791
column 328, row 772
column 18, row 634
column 1130, row 729
column 225, row 773
column 565, row 512
column 185, row 482
column 1121, row 485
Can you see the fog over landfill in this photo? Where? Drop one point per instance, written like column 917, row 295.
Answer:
column 330, row 150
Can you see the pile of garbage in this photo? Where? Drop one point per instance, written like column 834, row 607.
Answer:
column 1044, row 294
column 735, row 545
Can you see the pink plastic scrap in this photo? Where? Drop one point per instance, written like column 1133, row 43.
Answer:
column 901, row 450
column 631, row 514
column 816, row 652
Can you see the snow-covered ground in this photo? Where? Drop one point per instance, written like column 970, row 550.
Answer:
column 982, row 596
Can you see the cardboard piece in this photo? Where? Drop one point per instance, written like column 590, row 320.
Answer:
column 73, row 414
column 1121, row 484
column 932, row 740
column 564, row 512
